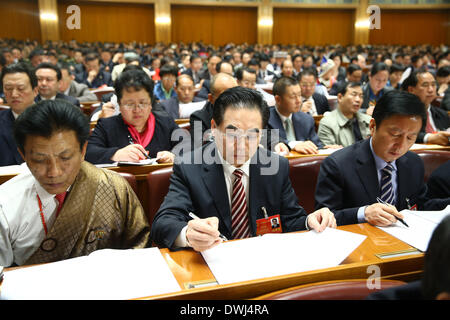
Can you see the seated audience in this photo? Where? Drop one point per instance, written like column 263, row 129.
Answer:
column 228, row 194
column 353, row 74
column 175, row 106
column 395, row 75
column 374, row 89
column 345, row 125
column 351, row 179
column 313, row 103
column 164, row 89
column 63, row 207
column 422, row 84
column 92, row 75
column 49, row 80
column 20, row 87
column 70, row 87
column 137, row 132
column 295, row 128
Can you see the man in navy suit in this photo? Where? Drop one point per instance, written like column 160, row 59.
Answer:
column 228, row 176
column 296, row 128
column 20, row 87
column 184, row 87
column 351, row 179
column 314, row 103
column 423, row 84
column 49, row 79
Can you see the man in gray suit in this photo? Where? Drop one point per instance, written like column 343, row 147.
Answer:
column 70, row 87
column 345, row 125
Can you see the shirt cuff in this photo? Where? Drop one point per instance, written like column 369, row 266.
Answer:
column 181, row 240
column 306, row 223
column 361, row 216
column 292, row 144
column 425, row 138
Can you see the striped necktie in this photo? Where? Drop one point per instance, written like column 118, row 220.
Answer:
column 387, row 191
column 239, row 219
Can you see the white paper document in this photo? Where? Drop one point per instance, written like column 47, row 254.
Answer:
column 104, row 274
column 279, row 254
column 421, row 226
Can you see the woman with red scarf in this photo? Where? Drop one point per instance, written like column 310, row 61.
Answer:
column 137, row 132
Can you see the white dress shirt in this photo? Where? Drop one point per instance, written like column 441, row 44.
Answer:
column 228, row 169
column 21, row 227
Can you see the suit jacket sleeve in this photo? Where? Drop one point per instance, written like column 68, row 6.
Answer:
column 97, row 150
column 330, row 193
column 172, row 216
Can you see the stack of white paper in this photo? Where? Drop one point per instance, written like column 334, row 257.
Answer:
column 280, row 254
column 105, row 274
column 421, row 226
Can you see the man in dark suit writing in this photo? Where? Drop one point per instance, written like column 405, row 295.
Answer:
column 230, row 182
column 351, row 179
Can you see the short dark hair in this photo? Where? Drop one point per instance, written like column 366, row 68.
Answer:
column 91, row 57
column 397, row 102
column 342, row 88
column 352, row 68
column 168, row 69
column 133, row 78
column 436, row 278
column 413, row 79
column 47, row 65
column 395, row 67
column 49, row 116
column 443, row 72
column 311, row 71
column 237, row 98
column 377, row 67
column 280, row 85
column 20, row 67
column 240, row 72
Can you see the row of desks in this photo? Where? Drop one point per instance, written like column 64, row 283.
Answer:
column 391, row 258
column 395, row 259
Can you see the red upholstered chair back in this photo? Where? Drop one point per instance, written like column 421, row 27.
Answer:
column 303, row 173
column 158, row 186
column 432, row 159
column 330, row 290
column 131, row 179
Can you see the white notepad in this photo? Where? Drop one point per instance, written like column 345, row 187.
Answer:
column 279, row 254
column 421, row 226
column 104, row 274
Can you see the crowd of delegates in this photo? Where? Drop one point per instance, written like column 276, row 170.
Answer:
column 242, row 102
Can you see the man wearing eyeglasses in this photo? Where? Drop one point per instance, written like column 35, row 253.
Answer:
column 231, row 183
column 422, row 84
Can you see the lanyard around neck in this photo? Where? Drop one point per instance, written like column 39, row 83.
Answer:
column 42, row 214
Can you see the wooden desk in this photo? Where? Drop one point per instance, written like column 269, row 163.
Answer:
column 189, row 267
column 294, row 154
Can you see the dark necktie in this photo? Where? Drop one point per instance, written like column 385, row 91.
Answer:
column 387, row 191
column 356, row 131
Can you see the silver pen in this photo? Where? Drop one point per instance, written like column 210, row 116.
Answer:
column 383, row 202
column 193, row 216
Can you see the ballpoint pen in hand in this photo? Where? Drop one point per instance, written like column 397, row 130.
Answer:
column 193, row 216
column 383, row 202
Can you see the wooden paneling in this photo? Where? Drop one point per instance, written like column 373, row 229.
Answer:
column 214, row 25
column 19, row 19
column 412, row 27
column 109, row 22
column 312, row 26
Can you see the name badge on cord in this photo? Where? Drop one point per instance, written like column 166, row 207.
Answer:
column 268, row 224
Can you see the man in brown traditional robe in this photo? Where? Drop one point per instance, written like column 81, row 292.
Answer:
column 64, row 207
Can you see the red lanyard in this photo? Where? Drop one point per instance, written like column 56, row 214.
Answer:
column 42, row 214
